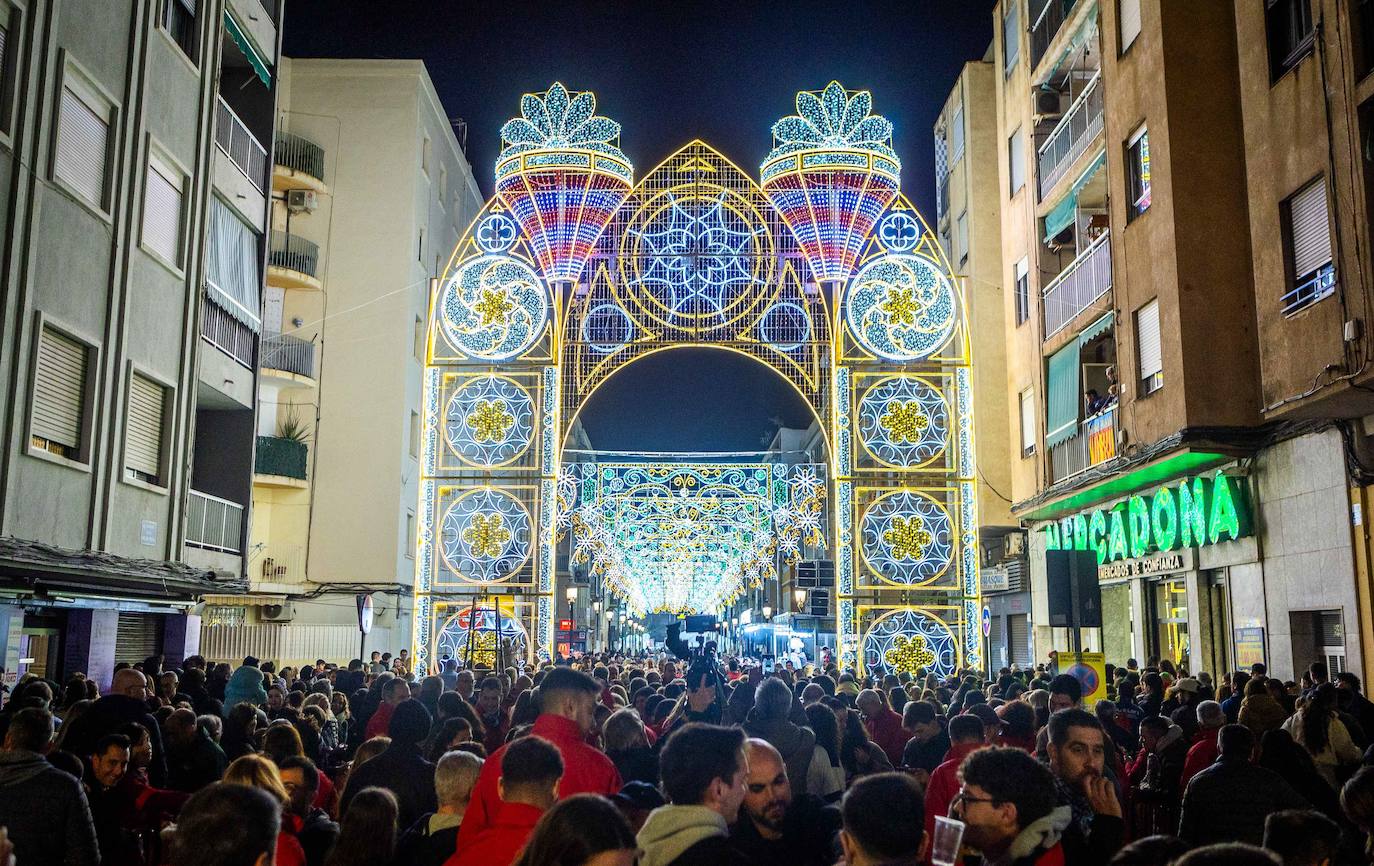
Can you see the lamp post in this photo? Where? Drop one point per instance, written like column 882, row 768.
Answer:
column 621, row 635
column 799, row 599
column 571, row 595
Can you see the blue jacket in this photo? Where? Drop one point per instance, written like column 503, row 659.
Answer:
column 244, row 686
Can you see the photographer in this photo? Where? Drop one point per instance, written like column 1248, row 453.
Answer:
column 704, row 700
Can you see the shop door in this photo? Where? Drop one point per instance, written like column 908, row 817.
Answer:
column 1169, row 618
column 1018, row 644
column 1218, row 622
column 139, row 636
column 997, row 645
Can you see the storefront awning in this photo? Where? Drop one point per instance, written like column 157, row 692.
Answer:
column 249, row 50
column 1062, row 216
column 1061, row 423
column 254, row 600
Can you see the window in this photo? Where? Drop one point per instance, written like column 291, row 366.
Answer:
column 1027, row 422
column 961, row 227
column 162, row 210
column 443, row 183
column 410, row 540
column 6, row 22
column 1016, row 160
column 1011, row 36
column 179, row 20
column 1307, row 233
column 1138, row 173
column 231, row 271
column 1288, row 27
column 59, row 395
column 1147, row 348
column 956, row 136
column 415, row 435
column 1021, row 274
column 1128, row 17
column 420, row 247
column 143, row 430
column 424, row 156
column 419, row 339
column 83, row 141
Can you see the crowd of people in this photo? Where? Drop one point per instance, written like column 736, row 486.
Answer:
column 661, row 760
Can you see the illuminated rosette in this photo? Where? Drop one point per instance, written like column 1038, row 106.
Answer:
column 831, row 174
column 562, row 176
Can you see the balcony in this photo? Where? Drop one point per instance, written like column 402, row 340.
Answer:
column 237, row 143
column 1094, row 444
column 280, row 563
column 293, row 262
column 298, row 163
column 288, row 358
column 280, row 462
column 226, row 333
column 1077, row 129
column 213, row 523
column 1052, row 16
column 1085, row 281
column 1320, row 284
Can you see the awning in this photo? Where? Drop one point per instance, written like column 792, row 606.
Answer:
column 258, row 599
column 248, row 48
column 1062, row 216
column 1062, row 407
column 1096, row 329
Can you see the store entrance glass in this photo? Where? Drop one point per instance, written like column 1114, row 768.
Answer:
column 1217, row 623
column 1169, row 613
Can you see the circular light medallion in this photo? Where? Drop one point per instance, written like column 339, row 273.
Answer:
column 496, row 233
column 606, row 328
column 495, row 307
column 899, row 231
column 901, row 307
column 904, row 421
column 908, row 641
column 785, row 327
column 907, row 538
column 489, row 421
column 485, row 535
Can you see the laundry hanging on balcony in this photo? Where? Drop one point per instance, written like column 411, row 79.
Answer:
column 1064, row 213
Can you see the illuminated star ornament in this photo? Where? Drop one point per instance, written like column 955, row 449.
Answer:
column 908, row 537
column 487, row 536
column 905, row 422
column 490, row 421
column 493, row 307
column 909, row 654
column 901, row 306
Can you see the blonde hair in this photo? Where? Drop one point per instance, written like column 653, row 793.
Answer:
column 255, row 771
column 369, row 750
column 624, row 730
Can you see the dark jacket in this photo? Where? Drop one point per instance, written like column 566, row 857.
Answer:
column 636, row 765
column 106, row 716
column 426, row 844
column 46, row 812
column 1228, row 802
column 928, row 755
column 317, row 836
column 403, row 771
column 191, row 766
column 715, row 851
column 797, row 745
column 810, row 836
column 1089, row 839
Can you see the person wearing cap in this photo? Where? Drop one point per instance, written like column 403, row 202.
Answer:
column 1204, row 751
column 1185, row 693
column 636, row 800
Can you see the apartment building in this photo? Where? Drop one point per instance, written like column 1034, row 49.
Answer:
column 371, row 190
column 1164, row 425
column 133, row 208
column 969, row 215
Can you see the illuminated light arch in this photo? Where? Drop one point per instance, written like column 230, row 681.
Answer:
column 822, row 270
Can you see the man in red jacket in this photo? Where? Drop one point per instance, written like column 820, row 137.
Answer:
column 884, row 725
column 530, row 770
column 394, row 693
column 567, row 714
column 966, row 735
column 1204, row 751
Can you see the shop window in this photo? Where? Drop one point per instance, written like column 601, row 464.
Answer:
column 1169, row 618
column 1288, row 28
column 1138, row 173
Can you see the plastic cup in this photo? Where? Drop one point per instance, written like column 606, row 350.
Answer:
column 949, row 835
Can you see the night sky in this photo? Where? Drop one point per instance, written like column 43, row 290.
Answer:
column 671, row 72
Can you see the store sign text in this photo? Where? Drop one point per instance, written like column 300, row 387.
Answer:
column 1193, row 513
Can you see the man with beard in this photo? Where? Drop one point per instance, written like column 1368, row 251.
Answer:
column 1077, row 750
column 1006, row 801
column 495, row 717
column 776, row 826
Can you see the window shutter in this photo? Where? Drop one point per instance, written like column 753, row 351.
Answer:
column 59, row 399
column 4, row 36
column 143, row 427
column 82, row 147
column 1018, row 642
column 232, row 265
column 1016, row 159
column 189, row 6
column 1129, row 15
column 956, row 136
column 1027, row 421
column 1064, row 396
column 162, row 212
column 1310, row 229
column 1147, row 340
column 1011, row 36
column 137, row 636
column 963, row 235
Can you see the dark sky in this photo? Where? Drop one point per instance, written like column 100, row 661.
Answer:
column 670, row 72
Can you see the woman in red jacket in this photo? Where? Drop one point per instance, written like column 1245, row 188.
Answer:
column 255, row 771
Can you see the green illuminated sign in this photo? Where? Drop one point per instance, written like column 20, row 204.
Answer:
column 1193, row 513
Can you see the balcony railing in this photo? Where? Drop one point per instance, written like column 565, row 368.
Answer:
column 213, row 523
column 1052, row 16
column 289, row 354
column 281, row 563
column 1321, row 284
column 1094, row 444
column 294, row 253
column 280, row 456
column 231, row 336
column 1082, row 283
column 1076, row 130
column 299, row 154
column 232, row 137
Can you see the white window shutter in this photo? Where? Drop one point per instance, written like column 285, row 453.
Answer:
column 956, row 136
column 59, row 399
column 83, row 146
column 1129, row 16
column 143, row 427
column 162, row 212
column 1027, row 420
column 1016, row 159
column 1147, row 338
column 1310, row 228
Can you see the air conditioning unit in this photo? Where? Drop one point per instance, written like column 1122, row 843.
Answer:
column 1015, row 543
column 301, row 200
column 276, row 612
column 1048, row 105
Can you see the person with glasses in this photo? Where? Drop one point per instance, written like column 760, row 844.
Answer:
column 1006, row 800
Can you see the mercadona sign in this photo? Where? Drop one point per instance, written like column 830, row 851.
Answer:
column 1194, row 512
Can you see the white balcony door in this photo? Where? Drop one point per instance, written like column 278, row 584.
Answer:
column 273, row 299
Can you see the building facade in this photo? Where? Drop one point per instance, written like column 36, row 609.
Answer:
column 1186, row 396
column 134, row 206
column 370, row 191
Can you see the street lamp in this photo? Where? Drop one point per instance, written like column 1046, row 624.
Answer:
column 768, row 611
column 799, row 598
column 572, row 600
column 596, row 606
